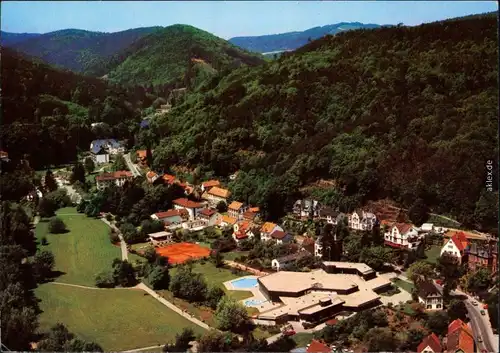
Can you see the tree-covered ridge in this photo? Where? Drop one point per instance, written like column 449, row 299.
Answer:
column 8, row 38
column 167, row 56
column 47, row 113
column 78, row 50
column 401, row 112
column 294, row 40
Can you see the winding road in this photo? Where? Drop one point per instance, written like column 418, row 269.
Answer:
column 133, row 168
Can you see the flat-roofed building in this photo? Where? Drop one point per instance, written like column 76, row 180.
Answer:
column 160, row 238
column 320, row 294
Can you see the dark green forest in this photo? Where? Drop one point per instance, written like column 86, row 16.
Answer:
column 401, row 112
column 46, row 113
column 166, row 56
column 77, row 50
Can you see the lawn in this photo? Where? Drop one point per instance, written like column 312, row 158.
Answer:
column 84, row 251
column 302, row 339
column 117, row 319
column 433, row 254
column 214, row 277
column 234, row 254
column 407, row 286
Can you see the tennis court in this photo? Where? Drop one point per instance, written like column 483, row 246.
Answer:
column 181, row 252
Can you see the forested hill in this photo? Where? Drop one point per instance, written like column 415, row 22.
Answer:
column 78, row 50
column 8, row 38
column 177, row 53
column 400, row 112
column 293, row 40
column 46, row 113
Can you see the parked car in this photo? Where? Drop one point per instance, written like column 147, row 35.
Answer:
column 479, row 339
column 482, row 312
column 289, row 333
column 474, row 303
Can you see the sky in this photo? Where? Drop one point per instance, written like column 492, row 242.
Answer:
column 225, row 19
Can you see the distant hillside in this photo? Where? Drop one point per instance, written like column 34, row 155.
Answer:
column 294, row 40
column 78, row 50
column 178, row 53
column 7, row 38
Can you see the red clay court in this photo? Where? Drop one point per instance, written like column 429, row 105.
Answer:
column 180, row 252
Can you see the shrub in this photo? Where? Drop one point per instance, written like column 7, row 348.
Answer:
column 109, row 217
column 56, row 225
column 104, row 280
column 114, row 238
column 43, row 240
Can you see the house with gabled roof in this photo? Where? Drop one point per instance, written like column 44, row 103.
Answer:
column 243, row 230
column 118, row 178
column 227, row 221
column 102, row 147
column 209, row 216
column 152, row 176
column 267, row 229
column 171, row 217
column 456, row 246
column 402, row 235
column 207, row 185
column 361, row 220
column 235, row 209
column 215, row 195
column 284, row 262
column 459, row 338
column 430, row 344
column 318, row 347
column 168, row 179
column 307, row 208
column 429, row 295
column 191, row 206
column 280, row 236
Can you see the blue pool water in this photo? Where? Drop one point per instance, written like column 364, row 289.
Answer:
column 253, row 302
column 244, row 283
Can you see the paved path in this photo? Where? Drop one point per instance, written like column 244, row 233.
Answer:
column 144, row 349
column 245, row 268
column 86, row 287
column 133, row 168
column 172, row 306
column 123, row 244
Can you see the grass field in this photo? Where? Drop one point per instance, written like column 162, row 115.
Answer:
column 234, row 254
column 433, row 254
column 117, row 319
column 407, row 286
column 302, row 339
column 84, row 251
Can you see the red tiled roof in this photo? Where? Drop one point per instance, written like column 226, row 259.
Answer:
column 228, row 219
column 278, row 234
column 460, row 339
column 241, row 235
column 332, row 322
column 318, row 347
column 169, row 213
column 219, row 192
column 115, row 175
column 207, row 212
column 151, row 174
column 403, row 228
column 267, row 227
column 460, row 240
column 210, row 183
column 254, row 209
column 169, row 178
column 431, row 341
column 235, row 205
column 183, row 202
column 455, row 325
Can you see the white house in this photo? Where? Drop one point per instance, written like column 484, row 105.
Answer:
column 111, row 146
column 402, row 235
column 215, row 195
column 329, row 214
column 209, row 216
column 281, row 237
column 235, row 209
column 427, row 227
column 243, row 230
column 430, row 295
column 361, row 220
column 456, row 246
column 267, row 229
column 225, row 221
column 430, row 344
column 160, row 238
column 318, row 247
column 118, row 178
column 306, row 208
column 192, row 207
column 171, row 216
column 284, row 262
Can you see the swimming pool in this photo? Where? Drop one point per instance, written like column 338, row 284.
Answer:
column 253, row 302
column 244, row 283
